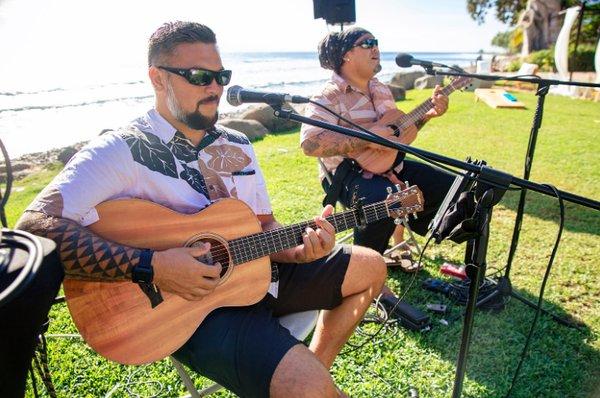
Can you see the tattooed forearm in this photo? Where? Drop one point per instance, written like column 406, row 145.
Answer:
column 324, row 145
column 84, row 255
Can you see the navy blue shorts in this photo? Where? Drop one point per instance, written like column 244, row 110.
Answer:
column 240, row 347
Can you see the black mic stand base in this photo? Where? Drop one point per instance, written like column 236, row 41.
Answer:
column 504, row 290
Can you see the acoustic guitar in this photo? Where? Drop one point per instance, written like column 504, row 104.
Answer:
column 371, row 159
column 132, row 326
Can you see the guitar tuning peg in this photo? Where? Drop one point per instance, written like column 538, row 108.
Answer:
column 389, row 190
column 407, row 184
column 398, row 187
column 397, row 221
column 415, row 217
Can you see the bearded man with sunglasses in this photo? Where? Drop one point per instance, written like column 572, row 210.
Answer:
column 354, row 93
column 177, row 156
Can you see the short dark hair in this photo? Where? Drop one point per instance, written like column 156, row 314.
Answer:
column 164, row 40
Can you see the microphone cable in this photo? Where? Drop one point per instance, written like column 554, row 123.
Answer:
column 385, row 319
column 9, row 182
column 542, row 288
column 35, row 254
column 11, row 239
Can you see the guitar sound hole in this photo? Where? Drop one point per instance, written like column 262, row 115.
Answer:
column 217, row 254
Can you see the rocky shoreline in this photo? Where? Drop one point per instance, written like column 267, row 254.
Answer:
column 255, row 121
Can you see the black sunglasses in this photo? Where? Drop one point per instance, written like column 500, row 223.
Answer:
column 368, row 43
column 201, row 77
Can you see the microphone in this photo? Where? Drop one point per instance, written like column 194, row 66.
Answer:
column 404, row 60
column 237, row 96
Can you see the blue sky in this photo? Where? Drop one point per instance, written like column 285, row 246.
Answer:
column 58, row 40
column 52, row 26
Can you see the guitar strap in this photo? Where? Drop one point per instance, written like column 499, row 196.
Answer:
column 210, row 137
column 152, row 292
column 332, row 191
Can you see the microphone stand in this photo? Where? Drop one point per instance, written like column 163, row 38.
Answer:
column 477, row 248
column 543, row 87
column 420, row 153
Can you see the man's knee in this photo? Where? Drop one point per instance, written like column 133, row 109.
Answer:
column 366, row 270
column 372, row 260
column 378, row 267
column 301, row 374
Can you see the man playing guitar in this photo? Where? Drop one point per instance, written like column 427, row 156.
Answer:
column 176, row 156
column 355, row 94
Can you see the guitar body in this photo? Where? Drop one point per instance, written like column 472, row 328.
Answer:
column 379, row 160
column 117, row 319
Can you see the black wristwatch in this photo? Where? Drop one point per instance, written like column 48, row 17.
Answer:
column 143, row 271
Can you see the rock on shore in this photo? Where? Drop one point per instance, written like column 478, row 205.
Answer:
column 255, row 121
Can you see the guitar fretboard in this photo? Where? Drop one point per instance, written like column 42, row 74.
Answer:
column 263, row 244
column 420, row 111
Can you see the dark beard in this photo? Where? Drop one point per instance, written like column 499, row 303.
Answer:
column 377, row 69
column 197, row 121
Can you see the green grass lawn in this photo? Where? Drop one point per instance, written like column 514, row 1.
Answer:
column 562, row 362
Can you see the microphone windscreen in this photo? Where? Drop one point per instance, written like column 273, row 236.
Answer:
column 233, row 95
column 403, row 60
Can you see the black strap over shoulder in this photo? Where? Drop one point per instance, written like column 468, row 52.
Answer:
column 334, row 189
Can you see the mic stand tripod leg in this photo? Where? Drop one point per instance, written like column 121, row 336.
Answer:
column 537, row 122
column 475, row 255
column 501, row 289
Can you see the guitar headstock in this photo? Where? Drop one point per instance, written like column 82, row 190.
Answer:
column 460, row 82
column 402, row 203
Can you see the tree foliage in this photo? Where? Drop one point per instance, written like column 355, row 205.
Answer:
column 507, row 11
column 590, row 27
column 510, row 40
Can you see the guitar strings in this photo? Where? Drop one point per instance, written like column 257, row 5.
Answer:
column 246, row 251
column 270, row 234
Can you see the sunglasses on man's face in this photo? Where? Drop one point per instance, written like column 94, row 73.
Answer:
column 368, row 43
column 201, row 77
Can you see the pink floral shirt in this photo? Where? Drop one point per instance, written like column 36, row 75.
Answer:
column 361, row 108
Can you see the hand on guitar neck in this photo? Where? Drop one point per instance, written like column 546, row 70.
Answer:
column 406, row 123
column 379, row 159
column 317, row 242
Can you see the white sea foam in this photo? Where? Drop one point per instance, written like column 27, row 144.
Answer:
column 37, row 114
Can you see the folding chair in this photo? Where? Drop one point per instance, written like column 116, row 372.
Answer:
column 411, row 241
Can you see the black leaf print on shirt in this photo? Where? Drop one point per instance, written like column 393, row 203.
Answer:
column 183, row 149
column 195, row 179
column 148, row 150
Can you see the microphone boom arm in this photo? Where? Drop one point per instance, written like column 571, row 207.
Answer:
column 431, row 156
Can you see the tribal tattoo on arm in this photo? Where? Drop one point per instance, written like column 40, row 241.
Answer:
column 84, row 255
column 324, row 145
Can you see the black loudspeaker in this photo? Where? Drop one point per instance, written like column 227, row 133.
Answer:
column 335, row 11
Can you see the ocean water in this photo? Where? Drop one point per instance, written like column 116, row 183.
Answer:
column 42, row 112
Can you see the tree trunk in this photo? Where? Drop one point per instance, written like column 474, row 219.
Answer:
column 541, row 25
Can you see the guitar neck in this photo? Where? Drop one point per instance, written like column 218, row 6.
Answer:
column 419, row 112
column 262, row 244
